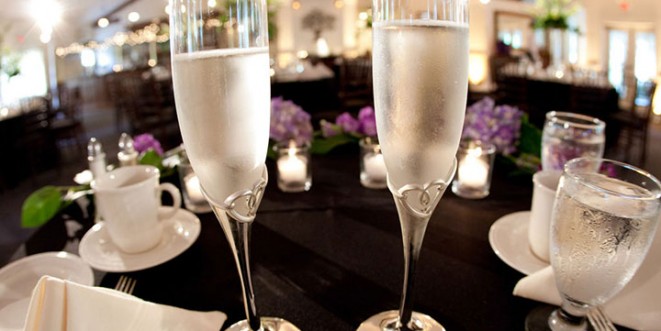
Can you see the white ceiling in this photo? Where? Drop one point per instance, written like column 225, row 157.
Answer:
column 78, row 21
column 79, row 10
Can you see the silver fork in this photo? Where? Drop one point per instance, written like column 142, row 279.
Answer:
column 125, row 284
column 599, row 320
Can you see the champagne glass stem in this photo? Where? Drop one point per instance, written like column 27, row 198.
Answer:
column 413, row 232
column 238, row 236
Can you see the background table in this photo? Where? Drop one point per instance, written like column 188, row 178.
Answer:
column 329, row 258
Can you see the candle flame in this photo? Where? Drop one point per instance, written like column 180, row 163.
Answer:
column 292, row 148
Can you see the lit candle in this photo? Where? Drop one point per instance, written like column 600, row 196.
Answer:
column 375, row 167
column 292, row 168
column 193, row 188
column 473, row 171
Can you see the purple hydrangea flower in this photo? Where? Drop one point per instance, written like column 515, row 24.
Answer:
column 146, row 141
column 367, row 121
column 289, row 122
column 499, row 125
column 557, row 155
column 347, row 123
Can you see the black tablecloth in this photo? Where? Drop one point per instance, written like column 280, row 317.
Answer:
column 329, row 258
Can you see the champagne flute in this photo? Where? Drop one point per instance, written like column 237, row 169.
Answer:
column 420, row 70
column 221, row 80
column 602, row 225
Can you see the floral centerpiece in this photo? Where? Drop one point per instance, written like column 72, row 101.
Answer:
column 289, row 122
column 507, row 127
column 554, row 14
column 345, row 129
column 46, row 202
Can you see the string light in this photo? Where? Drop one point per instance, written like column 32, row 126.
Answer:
column 103, row 22
column 133, row 17
column 148, row 34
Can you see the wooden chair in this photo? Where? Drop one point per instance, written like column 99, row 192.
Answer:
column 66, row 122
column 633, row 123
column 36, row 142
column 148, row 108
column 355, row 88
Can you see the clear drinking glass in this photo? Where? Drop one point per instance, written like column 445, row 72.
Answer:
column 602, row 225
column 420, row 70
column 221, row 80
column 568, row 135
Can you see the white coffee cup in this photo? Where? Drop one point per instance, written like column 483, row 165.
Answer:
column 128, row 199
column 545, row 183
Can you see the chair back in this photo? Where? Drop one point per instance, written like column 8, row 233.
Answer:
column 629, row 92
column 645, row 112
column 356, row 76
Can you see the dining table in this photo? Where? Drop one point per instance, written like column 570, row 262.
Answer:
column 331, row 257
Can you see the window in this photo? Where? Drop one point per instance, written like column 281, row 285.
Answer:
column 631, row 52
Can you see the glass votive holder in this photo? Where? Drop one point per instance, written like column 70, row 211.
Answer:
column 194, row 199
column 372, row 166
column 293, row 164
column 475, row 163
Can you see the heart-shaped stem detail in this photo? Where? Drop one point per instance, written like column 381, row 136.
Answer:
column 235, row 216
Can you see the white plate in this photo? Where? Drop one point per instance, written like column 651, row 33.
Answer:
column 179, row 233
column 18, row 278
column 508, row 237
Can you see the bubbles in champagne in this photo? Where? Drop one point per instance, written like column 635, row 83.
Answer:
column 223, row 106
column 420, row 86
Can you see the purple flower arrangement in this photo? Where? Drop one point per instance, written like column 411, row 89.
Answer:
column 499, row 125
column 363, row 126
column 144, row 142
column 289, row 122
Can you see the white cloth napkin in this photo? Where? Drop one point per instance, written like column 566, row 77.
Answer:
column 62, row 305
column 637, row 306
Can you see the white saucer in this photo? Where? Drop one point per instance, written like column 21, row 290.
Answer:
column 18, row 278
column 508, row 237
column 179, row 233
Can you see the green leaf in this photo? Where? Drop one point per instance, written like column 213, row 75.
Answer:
column 41, row 206
column 271, row 153
column 530, row 141
column 323, row 146
column 150, row 157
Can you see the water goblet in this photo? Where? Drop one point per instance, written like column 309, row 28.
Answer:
column 602, row 225
column 420, row 70
column 221, row 80
column 568, row 135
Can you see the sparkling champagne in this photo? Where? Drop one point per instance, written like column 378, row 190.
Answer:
column 420, row 89
column 223, row 104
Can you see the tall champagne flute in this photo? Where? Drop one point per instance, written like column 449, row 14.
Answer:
column 221, row 81
column 420, row 70
column 602, row 225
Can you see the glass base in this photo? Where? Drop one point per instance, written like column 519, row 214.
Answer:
column 387, row 320
column 469, row 192
column 268, row 324
column 373, row 183
column 294, row 187
column 547, row 318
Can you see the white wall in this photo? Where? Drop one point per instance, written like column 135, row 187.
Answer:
column 292, row 37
